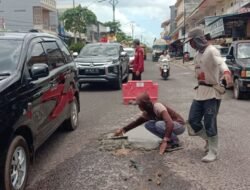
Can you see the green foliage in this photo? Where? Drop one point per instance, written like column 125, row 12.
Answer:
column 115, row 26
column 76, row 47
column 77, row 19
column 121, row 37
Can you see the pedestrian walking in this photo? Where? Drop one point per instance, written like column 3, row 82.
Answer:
column 209, row 67
column 138, row 63
column 160, row 120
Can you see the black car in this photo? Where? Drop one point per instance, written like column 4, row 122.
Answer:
column 238, row 61
column 103, row 63
column 38, row 93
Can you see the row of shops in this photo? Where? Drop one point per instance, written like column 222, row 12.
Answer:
column 219, row 30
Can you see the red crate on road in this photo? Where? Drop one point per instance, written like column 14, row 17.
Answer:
column 132, row 89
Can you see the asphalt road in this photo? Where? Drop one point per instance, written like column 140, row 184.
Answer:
column 73, row 161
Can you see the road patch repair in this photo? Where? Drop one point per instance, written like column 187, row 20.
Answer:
column 134, row 140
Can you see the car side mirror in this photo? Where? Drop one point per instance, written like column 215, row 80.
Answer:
column 75, row 54
column 123, row 54
column 39, row 70
column 230, row 57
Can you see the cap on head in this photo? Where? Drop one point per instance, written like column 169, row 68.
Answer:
column 136, row 41
column 194, row 33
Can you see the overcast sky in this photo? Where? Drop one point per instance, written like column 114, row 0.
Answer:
column 146, row 15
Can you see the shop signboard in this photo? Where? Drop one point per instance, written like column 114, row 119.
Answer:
column 216, row 29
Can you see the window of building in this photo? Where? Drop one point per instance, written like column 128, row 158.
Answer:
column 222, row 10
column 54, row 54
column 232, row 4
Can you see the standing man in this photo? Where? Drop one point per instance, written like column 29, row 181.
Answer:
column 209, row 67
column 138, row 64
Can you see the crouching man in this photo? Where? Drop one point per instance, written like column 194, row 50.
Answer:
column 160, row 120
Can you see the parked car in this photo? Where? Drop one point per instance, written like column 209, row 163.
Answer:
column 131, row 54
column 103, row 62
column 223, row 51
column 238, row 61
column 38, row 93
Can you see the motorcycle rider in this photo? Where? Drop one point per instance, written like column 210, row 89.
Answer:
column 163, row 58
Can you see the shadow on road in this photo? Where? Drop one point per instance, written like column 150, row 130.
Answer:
column 98, row 87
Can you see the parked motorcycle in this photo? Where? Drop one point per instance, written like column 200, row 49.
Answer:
column 164, row 68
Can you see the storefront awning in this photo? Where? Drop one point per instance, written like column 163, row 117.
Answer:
column 215, row 26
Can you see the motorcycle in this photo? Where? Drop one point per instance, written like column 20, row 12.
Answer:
column 164, row 68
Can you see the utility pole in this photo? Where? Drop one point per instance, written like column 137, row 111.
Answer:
column 184, row 30
column 74, row 32
column 113, row 3
column 132, row 27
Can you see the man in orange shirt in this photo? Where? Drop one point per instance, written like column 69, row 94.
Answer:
column 138, row 64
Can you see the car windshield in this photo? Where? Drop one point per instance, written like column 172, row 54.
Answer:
column 99, row 50
column 243, row 51
column 130, row 53
column 10, row 51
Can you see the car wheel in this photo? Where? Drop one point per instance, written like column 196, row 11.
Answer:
column 72, row 123
column 237, row 93
column 118, row 82
column 16, row 164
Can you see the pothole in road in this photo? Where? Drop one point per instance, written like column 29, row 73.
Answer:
column 126, row 145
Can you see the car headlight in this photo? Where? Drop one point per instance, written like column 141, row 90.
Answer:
column 113, row 69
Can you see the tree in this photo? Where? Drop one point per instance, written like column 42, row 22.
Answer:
column 120, row 35
column 77, row 19
column 114, row 26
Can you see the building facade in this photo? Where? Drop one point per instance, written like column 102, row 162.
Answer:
column 226, row 19
column 222, row 20
column 28, row 14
